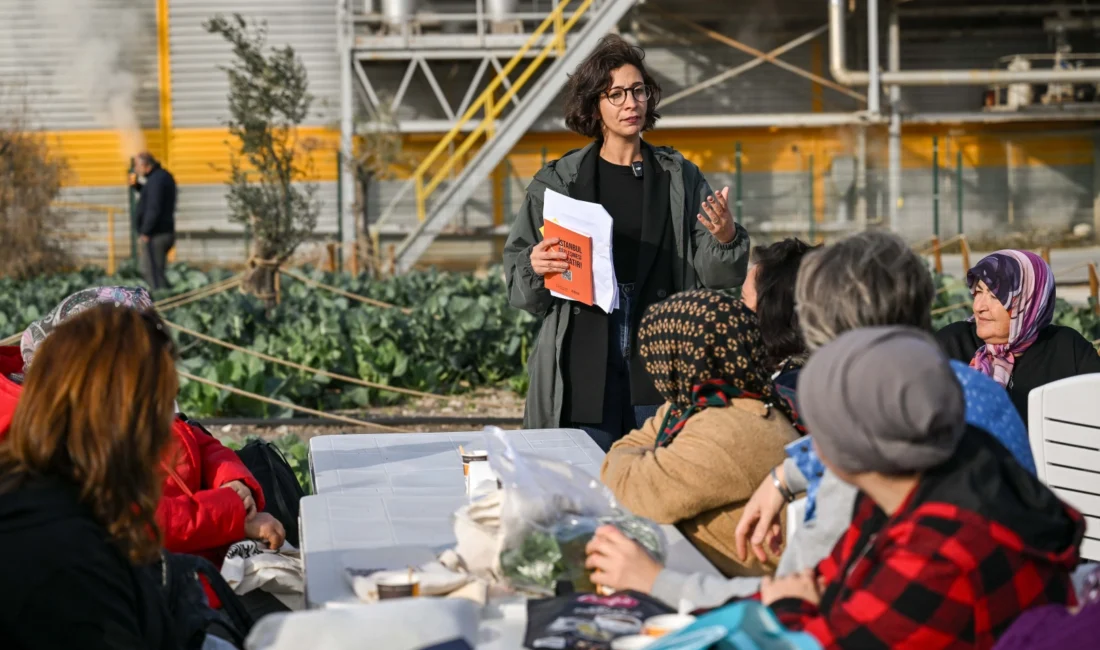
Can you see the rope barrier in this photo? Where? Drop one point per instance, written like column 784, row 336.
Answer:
column 347, row 294
column 202, row 296
column 203, row 289
column 294, row 407
column 941, row 245
column 318, row 371
column 944, row 310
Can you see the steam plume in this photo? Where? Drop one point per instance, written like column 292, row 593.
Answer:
column 105, row 45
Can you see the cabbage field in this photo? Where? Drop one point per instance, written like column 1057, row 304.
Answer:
column 459, row 334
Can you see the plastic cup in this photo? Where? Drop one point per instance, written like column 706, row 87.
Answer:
column 666, row 624
column 633, row 642
column 398, row 586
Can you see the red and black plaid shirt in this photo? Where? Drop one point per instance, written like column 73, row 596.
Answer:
column 935, row 576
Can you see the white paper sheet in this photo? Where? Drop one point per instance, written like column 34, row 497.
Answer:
column 593, row 220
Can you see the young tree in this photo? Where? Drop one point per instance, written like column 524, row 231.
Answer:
column 268, row 100
column 378, row 154
column 30, row 180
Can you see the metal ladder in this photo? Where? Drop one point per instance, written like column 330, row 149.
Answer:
column 507, row 133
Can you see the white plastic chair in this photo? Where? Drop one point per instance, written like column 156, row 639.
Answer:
column 1064, row 429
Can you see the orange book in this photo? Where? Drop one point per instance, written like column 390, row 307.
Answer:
column 576, row 283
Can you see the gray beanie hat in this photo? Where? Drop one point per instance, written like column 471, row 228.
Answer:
column 882, row 399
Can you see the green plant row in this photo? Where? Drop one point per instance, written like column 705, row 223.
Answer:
column 460, row 334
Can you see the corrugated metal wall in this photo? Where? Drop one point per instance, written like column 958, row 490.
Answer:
column 199, row 87
column 46, row 58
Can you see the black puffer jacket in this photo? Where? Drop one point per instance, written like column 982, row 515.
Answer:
column 66, row 585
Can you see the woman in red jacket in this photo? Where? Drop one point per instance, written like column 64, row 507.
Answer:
column 210, row 500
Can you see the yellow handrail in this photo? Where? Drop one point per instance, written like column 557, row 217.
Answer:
column 110, row 239
column 492, row 106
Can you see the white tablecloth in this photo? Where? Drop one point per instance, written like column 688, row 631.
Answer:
column 384, row 501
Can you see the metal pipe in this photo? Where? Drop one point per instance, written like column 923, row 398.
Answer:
column 347, row 119
column 873, row 89
column 861, row 177
column 958, row 189
column 936, row 185
column 893, row 178
column 839, row 67
column 990, row 10
column 739, row 204
column 778, row 120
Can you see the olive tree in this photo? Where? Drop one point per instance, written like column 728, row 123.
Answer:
column 268, row 194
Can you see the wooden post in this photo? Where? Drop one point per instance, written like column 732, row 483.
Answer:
column 332, row 257
column 1044, row 252
column 391, row 254
column 964, row 247
column 278, row 286
column 937, row 254
column 353, row 259
column 110, row 241
column 1094, row 288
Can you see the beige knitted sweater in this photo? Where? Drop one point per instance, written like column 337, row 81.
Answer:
column 703, row 479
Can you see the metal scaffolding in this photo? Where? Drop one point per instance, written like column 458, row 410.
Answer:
column 373, row 46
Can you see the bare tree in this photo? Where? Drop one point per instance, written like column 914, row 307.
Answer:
column 30, row 180
column 268, row 100
column 378, row 154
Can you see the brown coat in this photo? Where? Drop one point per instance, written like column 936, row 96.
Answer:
column 702, row 481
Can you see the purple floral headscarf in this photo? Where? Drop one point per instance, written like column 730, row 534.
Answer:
column 1024, row 284
column 136, row 298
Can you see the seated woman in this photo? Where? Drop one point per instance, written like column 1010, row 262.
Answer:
column 769, row 293
column 1010, row 337
column 951, row 538
column 717, row 435
column 79, row 485
column 831, row 292
column 209, row 499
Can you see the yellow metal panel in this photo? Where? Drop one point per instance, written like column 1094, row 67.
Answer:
column 164, row 70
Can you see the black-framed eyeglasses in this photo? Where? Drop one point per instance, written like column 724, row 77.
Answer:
column 617, row 95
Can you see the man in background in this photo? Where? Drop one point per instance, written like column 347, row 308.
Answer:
column 155, row 218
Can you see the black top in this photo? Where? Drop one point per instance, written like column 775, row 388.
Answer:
column 156, row 209
column 620, row 194
column 1059, row 352
column 585, row 347
column 65, row 584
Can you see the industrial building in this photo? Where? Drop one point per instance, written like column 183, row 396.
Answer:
column 979, row 114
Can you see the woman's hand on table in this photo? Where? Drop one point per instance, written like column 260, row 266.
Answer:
column 760, row 522
column 620, row 563
column 716, row 216
column 544, row 259
column 265, row 528
column 804, row 586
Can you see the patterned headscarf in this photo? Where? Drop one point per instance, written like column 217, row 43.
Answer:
column 78, row 302
column 1023, row 283
column 703, row 348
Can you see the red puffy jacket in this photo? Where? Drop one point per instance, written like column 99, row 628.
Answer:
column 196, row 515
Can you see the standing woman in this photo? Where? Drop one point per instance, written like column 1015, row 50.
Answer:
column 671, row 233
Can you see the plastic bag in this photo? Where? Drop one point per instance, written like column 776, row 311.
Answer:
column 550, row 511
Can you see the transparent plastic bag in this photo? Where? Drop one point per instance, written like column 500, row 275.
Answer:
column 549, row 512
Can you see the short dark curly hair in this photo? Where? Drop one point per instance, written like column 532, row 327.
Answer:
column 593, row 77
column 776, row 272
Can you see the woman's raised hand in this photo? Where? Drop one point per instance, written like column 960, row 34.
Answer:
column 718, row 219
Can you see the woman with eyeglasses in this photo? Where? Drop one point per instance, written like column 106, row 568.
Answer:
column 671, row 233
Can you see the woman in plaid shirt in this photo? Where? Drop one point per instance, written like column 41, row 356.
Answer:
column 951, row 539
